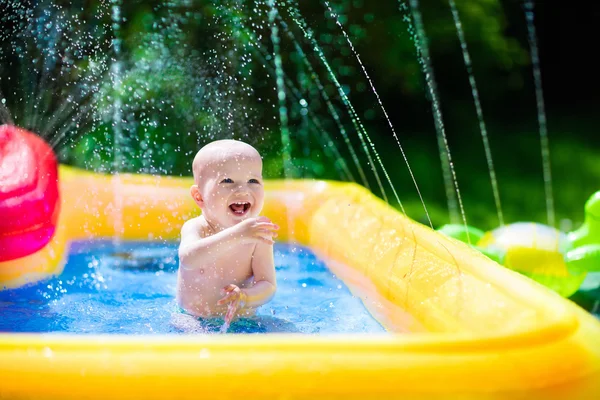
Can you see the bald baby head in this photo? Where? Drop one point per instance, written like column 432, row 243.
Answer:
column 215, row 155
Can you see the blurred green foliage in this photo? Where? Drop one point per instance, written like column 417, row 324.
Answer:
column 195, row 71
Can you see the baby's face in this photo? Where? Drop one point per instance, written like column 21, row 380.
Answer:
column 233, row 190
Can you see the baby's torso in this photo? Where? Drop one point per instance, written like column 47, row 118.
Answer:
column 199, row 289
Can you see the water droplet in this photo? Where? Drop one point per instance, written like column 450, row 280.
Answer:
column 47, row 352
column 204, row 353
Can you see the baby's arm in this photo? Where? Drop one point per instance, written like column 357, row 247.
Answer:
column 263, row 288
column 196, row 251
column 263, row 269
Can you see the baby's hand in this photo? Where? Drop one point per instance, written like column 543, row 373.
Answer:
column 257, row 229
column 236, row 299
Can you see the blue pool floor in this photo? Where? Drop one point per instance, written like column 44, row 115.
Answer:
column 129, row 288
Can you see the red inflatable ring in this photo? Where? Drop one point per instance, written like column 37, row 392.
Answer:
column 29, row 199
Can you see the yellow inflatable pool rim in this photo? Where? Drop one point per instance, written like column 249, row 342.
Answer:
column 461, row 326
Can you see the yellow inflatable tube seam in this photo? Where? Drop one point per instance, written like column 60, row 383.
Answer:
column 465, row 327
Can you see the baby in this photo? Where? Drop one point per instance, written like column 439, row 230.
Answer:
column 226, row 254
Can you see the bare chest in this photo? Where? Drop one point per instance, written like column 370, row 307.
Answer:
column 235, row 267
column 236, row 264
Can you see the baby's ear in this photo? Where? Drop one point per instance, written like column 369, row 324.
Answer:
column 196, row 195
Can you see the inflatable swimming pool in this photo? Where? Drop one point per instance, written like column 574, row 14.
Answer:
column 463, row 326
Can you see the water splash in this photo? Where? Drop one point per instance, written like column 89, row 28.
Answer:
column 4, row 112
column 329, row 145
column 265, row 59
column 117, row 122
column 283, row 115
column 482, row 126
column 337, row 21
column 331, row 109
column 360, row 129
column 423, row 48
column 537, row 76
column 43, row 46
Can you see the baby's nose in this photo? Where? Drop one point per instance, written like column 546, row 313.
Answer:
column 241, row 189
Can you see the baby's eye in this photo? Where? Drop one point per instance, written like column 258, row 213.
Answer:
column 253, row 181
column 227, row 180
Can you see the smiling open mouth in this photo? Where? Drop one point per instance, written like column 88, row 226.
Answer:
column 240, row 207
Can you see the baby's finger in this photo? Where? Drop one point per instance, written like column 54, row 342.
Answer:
column 267, row 240
column 265, row 233
column 269, row 236
column 266, row 225
column 229, row 288
column 226, row 299
column 231, row 309
column 267, row 229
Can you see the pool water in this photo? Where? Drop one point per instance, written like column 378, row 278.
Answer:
column 129, row 288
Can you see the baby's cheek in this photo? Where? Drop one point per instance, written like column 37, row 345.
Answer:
column 221, row 195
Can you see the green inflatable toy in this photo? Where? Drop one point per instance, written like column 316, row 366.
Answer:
column 557, row 260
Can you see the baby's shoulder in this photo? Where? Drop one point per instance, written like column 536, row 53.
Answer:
column 196, row 226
